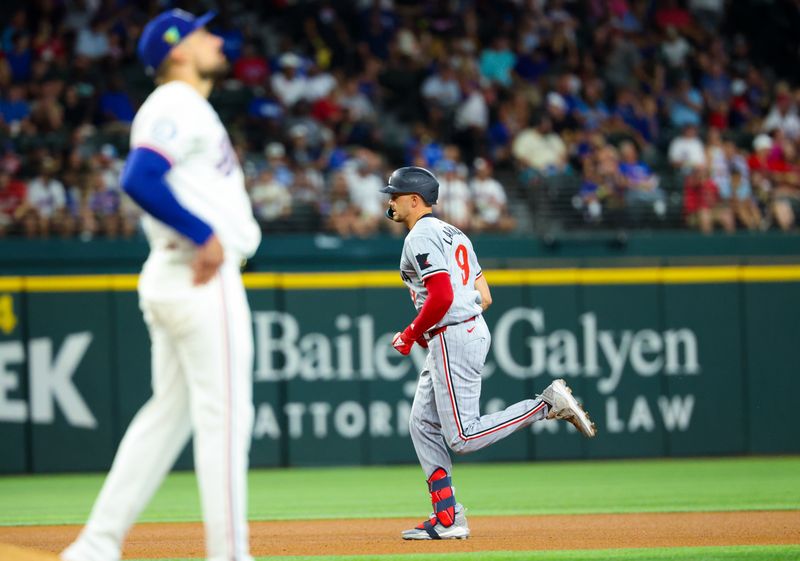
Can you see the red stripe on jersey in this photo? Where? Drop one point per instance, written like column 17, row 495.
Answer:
column 230, row 428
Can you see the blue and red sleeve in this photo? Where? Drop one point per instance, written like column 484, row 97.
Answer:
column 144, row 180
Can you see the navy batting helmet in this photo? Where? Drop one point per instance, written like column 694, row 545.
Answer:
column 414, row 180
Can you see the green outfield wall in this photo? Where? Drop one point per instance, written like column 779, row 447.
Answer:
column 670, row 361
column 305, row 252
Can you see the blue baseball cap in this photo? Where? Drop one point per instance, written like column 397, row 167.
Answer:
column 164, row 32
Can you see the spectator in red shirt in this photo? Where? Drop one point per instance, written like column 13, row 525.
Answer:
column 251, row 69
column 760, row 160
column 47, row 45
column 702, row 204
column 12, row 195
column 775, row 173
column 785, row 178
column 672, row 15
column 326, row 110
column 741, row 109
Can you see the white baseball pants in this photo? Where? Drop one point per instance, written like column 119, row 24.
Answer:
column 202, row 358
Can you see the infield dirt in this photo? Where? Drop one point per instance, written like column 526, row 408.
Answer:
column 382, row 536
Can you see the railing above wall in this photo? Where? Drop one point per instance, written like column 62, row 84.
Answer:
column 322, row 252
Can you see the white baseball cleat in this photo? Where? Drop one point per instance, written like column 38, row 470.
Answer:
column 433, row 530
column 563, row 405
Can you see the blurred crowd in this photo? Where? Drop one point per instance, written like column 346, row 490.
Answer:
column 584, row 113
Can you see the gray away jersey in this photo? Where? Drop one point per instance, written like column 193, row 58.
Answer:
column 434, row 247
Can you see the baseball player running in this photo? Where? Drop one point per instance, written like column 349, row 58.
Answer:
column 449, row 292
column 183, row 172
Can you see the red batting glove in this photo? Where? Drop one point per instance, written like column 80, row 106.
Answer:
column 403, row 342
column 422, row 342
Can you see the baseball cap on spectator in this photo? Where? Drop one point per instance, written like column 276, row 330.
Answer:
column 480, row 163
column 275, row 150
column 762, row 142
column 407, row 43
column 290, row 60
column 108, row 151
column 165, row 31
column 298, row 130
column 556, row 100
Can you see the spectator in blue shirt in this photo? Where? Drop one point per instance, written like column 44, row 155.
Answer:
column 594, row 113
column 423, row 144
column 20, row 58
column 17, row 25
column 716, row 84
column 14, row 108
column 638, row 113
column 277, row 163
column 378, row 27
column 115, row 103
column 531, row 65
column 497, row 62
column 686, row 105
column 642, row 193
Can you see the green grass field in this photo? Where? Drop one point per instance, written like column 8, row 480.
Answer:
column 488, row 490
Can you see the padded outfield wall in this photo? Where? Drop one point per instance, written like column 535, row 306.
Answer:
column 671, row 361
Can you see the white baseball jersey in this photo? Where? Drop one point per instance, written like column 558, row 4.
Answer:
column 206, row 178
column 434, row 246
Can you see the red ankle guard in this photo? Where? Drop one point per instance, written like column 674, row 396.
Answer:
column 442, row 497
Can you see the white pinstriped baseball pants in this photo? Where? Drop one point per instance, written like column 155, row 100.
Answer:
column 446, row 409
column 202, row 357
